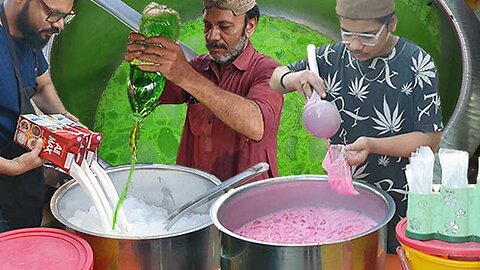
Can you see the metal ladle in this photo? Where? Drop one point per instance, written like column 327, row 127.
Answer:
column 216, row 191
column 320, row 117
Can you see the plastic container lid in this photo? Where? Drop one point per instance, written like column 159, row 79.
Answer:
column 437, row 247
column 44, row 248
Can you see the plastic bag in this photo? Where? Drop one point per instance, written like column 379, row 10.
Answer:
column 338, row 171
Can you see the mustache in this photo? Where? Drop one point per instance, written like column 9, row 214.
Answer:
column 51, row 31
column 216, row 45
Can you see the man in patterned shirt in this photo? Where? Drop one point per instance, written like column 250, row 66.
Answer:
column 386, row 90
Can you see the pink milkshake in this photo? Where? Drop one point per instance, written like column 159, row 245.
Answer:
column 307, row 226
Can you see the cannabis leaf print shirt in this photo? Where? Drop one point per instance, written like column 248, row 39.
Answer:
column 382, row 97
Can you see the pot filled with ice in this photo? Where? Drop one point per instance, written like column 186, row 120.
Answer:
column 156, row 191
column 298, row 222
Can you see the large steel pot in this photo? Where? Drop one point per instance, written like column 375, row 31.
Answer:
column 366, row 251
column 197, row 248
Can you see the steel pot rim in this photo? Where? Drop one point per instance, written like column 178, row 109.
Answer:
column 61, row 191
column 222, row 199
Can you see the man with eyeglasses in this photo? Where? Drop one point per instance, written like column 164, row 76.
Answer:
column 386, row 90
column 25, row 28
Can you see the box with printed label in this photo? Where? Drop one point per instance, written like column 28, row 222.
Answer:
column 60, row 146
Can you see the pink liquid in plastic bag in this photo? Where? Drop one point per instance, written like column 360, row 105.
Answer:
column 338, row 171
column 307, row 226
column 321, row 118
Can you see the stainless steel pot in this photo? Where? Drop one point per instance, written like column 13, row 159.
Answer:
column 197, row 248
column 366, row 251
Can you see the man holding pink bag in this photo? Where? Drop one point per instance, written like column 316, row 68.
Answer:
column 386, row 90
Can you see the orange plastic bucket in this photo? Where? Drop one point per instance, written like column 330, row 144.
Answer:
column 44, row 249
column 436, row 254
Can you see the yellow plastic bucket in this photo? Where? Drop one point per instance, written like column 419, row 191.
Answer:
column 437, row 254
column 422, row 261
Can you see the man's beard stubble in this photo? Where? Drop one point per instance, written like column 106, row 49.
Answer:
column 230, row 56
column 31, row 35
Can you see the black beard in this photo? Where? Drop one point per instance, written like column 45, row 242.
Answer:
column 30, row 35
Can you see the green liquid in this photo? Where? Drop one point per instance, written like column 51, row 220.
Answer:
column 283, row 40
column 133, row 142
column 144, row 91
column 145, row 88
column 122, row 196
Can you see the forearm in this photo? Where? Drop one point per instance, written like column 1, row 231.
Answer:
column 6, row 167
column 403, row 145
column 275, row 81
column 48, row 100
column 11, row 167
column 239, row 113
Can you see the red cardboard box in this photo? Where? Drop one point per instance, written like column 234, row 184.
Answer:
column 61, row 146
column 94, row 138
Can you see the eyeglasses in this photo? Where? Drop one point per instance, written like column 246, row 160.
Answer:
column 55, row 16
column 365, row 39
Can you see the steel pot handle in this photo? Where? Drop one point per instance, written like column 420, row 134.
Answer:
column 214, row 192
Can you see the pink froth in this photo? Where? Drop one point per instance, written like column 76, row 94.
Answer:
column 307, row 225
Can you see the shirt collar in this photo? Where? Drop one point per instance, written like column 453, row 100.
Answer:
column 242, row 61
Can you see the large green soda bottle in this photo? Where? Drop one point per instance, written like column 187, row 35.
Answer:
column 145, row 88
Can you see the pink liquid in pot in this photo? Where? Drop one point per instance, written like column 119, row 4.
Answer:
column 307, row 225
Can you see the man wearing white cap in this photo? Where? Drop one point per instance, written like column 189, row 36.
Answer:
column 386, row 90
column 233, row 114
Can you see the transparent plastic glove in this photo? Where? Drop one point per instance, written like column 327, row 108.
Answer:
column 428, row 157
column 338, row 170
column 419, row 172
column 454, row 168
column 410, row 180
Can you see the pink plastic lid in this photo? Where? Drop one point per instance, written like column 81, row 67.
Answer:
column 437, row 247
column 44, row 248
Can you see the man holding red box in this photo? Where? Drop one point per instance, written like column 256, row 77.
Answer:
column 25, row 27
